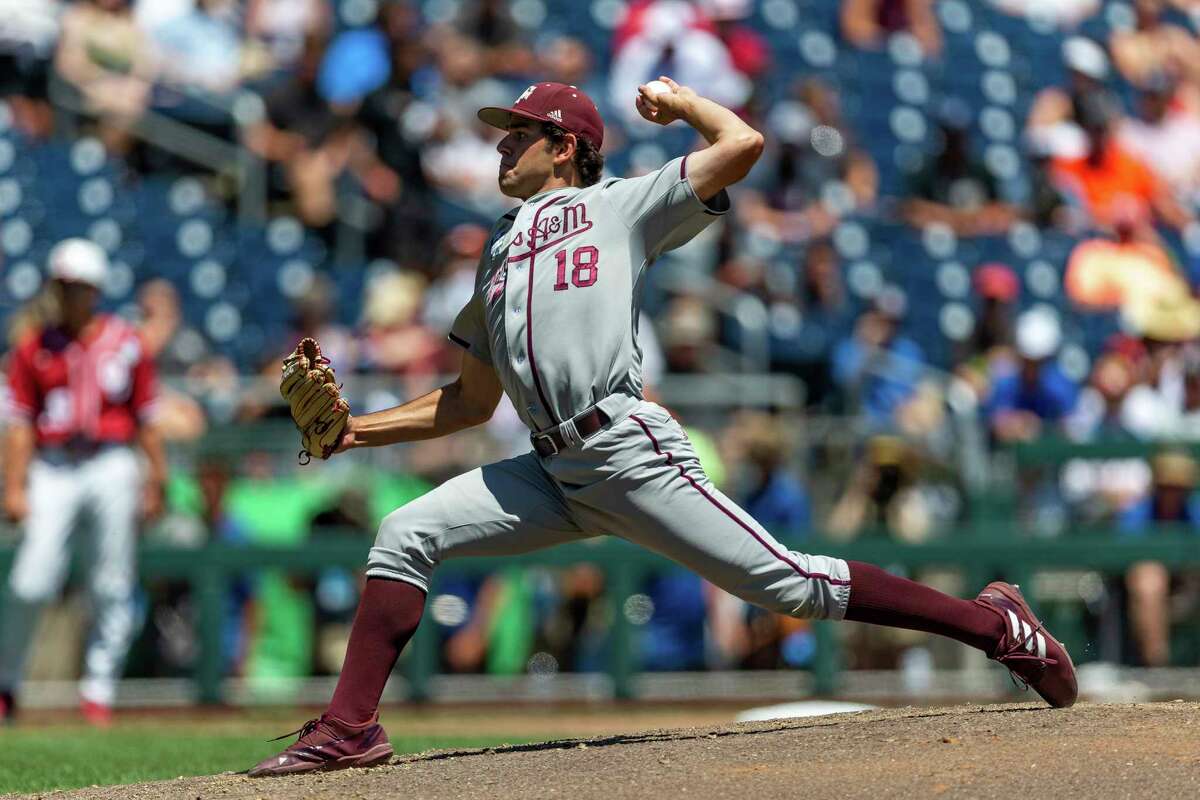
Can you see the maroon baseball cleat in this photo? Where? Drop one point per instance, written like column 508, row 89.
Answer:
column 327, row 743
column 1034, row 657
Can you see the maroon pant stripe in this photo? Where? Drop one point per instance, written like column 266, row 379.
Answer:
column 748, row 529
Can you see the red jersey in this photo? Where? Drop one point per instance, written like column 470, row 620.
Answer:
column 95, row 389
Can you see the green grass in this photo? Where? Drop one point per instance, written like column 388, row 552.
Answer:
column 70, row 757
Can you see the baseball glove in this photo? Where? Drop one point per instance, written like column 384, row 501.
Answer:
column 309, row 386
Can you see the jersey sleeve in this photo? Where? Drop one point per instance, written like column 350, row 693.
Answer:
column 143, row 396
column 469, row 330
column 662, row 208
column 22, row 392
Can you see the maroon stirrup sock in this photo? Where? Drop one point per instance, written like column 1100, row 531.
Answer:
column 387, row 616
column 881, row 598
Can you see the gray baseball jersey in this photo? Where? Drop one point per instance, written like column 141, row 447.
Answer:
column 555, row 313
column 556, row 303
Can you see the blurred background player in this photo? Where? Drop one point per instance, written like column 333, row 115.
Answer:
column 1150, row 585
column 82, row 391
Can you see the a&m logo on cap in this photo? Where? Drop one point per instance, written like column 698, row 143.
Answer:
column 525, row 94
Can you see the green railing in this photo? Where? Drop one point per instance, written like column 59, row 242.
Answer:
column 981, row 551
column 1050, row 451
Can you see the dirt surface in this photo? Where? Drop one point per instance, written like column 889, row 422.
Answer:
column 478, row 719
column 1090, row 751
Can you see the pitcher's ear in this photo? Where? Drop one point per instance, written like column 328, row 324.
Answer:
column 568, row 148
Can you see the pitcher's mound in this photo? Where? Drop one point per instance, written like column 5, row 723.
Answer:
column 1090, row 751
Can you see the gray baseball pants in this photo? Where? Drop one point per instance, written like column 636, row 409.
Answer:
column 639, row 479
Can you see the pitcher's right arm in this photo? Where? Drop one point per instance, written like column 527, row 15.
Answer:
column 733, row 146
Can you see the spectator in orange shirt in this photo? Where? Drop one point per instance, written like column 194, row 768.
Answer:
column 1107, row 180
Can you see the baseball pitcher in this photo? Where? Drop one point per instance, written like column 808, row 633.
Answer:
column 82, row 392
column 553, row 324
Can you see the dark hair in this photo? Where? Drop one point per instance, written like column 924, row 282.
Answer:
column 589, row 163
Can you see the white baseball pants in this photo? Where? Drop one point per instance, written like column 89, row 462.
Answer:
column 102, row 493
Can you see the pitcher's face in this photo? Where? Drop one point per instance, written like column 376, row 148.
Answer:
column 526, row 163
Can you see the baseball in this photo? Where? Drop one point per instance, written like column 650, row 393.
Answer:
column 657, row 87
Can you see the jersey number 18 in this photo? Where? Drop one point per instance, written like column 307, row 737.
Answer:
column 586, row 262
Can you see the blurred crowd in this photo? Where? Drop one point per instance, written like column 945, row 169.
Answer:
column 375, row 102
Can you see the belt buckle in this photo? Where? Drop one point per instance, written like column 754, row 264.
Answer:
column 553, row 445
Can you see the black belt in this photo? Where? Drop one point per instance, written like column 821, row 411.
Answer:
column 587, row 423
column 75, row 451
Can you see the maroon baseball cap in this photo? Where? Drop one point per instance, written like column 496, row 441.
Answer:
column 556, row 103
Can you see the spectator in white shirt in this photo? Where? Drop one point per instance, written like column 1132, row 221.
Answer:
column 670, row 41
column 1064, row 13
column 1166, row 134
column 282, row 26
